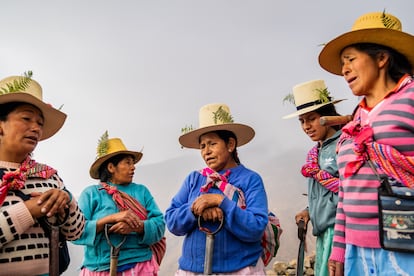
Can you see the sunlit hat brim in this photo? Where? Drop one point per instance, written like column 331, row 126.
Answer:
column 244, row 134
column 329, row 57
column 53, row 118
column 94, row 170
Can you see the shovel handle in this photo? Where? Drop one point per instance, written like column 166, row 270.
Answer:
column 301, row 230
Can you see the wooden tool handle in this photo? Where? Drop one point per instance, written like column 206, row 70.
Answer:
column 335, row 120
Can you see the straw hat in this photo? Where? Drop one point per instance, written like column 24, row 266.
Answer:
column 377, row 27
column 108, row 148
column 310, row 96
column 26, row 90
column 214, row 117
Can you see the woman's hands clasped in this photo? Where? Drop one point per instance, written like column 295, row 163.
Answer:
column 206, row 206
column 123, row 222
column 49, row 203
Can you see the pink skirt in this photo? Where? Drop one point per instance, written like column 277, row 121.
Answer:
column 259, row 269
column 147, row 268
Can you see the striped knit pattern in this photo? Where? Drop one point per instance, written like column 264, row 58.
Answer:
column 392, row 124
column 24, row 247
column 312, row 169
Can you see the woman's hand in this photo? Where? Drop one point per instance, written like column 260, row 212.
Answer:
column 126, row 217
column 302, row 215
column 335, row 268
column 212, row 214
column 205, row 201
column 124, row 228
column 49, row 203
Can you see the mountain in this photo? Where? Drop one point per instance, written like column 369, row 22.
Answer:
column 284, row 185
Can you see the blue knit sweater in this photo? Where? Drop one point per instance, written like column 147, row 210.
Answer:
column 237, row 245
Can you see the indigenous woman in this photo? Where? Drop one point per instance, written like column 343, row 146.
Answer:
column 30, row 192
column 376, row 60
column 313, row 100
column 120, row 213
column 225, row 197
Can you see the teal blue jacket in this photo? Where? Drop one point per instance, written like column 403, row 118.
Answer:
column 95, row 204
column 323, row 202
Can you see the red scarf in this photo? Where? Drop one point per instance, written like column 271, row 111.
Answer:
column 15, row 180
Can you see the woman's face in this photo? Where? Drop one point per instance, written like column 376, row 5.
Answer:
column 216, row 153
column 360, row 71
column 311, row 125
column 20, row 132
column 123, row 172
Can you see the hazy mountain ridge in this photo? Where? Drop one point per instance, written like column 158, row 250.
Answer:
column 284, row 187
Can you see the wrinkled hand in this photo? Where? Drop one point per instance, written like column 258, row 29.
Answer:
column 49, row 203
column 124, row 228
column 335, row 268
column 128, row 217
column 302, row 215
column 212, row 214
column 205, row 201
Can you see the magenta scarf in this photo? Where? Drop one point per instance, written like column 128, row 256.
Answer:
column 387, row 158
column 312, row 169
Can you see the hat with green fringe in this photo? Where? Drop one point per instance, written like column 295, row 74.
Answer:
column 309, row 96
column 376, row 27
column 26, row 90
column 213, row 117
column 108, row 148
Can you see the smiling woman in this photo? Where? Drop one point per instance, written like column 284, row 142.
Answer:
column 313, row 100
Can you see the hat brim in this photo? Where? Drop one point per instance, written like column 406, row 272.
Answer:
column 94, row 170
column 244, row 134
column 310, row 108
column 53, row 118
column 329, row 57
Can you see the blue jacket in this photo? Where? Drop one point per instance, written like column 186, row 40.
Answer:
column 96, row 204
column 237, row 244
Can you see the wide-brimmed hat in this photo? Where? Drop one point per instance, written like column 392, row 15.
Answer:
column 377, row 27
column 25, row 89
column 108, row 148
column 214, row 117
column 310, row 96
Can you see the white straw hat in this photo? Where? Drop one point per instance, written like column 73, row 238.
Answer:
column 26, row 90
column 310, row 96
column 214, row 117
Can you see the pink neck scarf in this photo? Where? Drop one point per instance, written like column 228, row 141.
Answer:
column 15, row 180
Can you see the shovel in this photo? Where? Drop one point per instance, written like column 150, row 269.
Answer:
column 115, row 249
column 301, row 253
column 208, row 259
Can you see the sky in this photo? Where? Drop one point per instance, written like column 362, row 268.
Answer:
column 142, row 69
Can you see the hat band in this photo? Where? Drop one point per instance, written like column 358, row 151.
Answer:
column 308, row 105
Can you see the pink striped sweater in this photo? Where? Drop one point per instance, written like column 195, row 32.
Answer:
column 392, row 121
